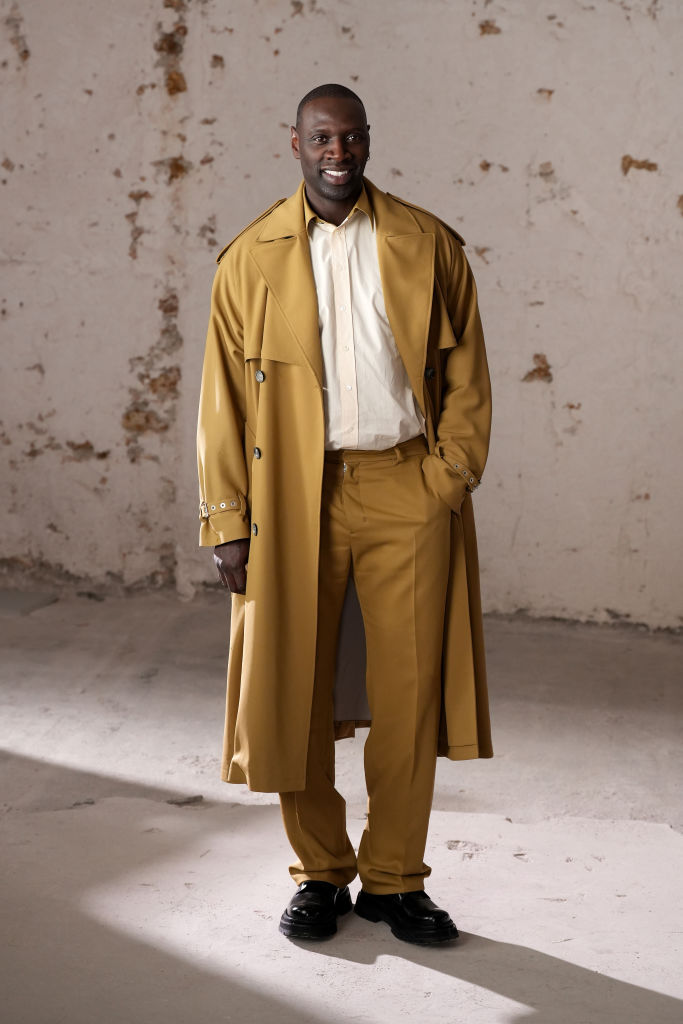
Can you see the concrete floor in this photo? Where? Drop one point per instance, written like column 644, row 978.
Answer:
column 124, row 901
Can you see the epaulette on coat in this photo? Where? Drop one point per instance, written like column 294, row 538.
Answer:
column 421, row 209
column 260, row 217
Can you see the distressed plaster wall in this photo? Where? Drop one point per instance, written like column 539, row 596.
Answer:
column 138, row 137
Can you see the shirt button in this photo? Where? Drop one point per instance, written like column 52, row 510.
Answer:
column 346, row 348
column 254, row 528
column 260, row 376
column 343, row 309
column 257, row 453
column 348, row 387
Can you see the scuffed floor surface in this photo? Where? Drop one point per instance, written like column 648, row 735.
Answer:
column 138, row 889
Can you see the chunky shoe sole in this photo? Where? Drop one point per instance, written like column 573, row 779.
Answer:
column 322, row 929
column 419, row 937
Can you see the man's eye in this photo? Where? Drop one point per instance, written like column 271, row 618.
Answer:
column 318, row 139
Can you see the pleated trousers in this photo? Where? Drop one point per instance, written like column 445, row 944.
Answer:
column 379, row 521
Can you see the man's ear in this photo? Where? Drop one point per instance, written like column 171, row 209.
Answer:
column 295, row 142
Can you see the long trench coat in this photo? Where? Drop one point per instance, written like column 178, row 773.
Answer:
column 261, row 438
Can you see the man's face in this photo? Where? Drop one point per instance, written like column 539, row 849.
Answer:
column 332, row 141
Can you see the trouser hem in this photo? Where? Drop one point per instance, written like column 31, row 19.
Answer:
column 391, row 889
column 338, row 878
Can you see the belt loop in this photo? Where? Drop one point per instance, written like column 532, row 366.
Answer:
column 398, row 454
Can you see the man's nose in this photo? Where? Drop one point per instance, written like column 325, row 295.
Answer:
column 335, row 148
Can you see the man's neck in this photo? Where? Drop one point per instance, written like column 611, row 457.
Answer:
column 334, row 211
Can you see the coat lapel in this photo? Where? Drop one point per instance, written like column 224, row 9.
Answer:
column 283, row 258
column 406, row 263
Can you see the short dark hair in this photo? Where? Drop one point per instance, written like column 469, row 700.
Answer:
column 325, row 91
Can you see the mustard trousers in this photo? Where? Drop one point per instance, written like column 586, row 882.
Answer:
column 380, row 522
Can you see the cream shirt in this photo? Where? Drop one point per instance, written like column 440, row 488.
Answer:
column 369, row 403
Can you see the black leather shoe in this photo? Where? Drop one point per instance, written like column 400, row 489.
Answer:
column 313, row 910
column 411, row 916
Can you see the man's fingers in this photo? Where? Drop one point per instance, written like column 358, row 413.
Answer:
column 234, row 577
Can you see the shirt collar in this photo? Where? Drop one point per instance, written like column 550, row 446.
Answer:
column 362, row 205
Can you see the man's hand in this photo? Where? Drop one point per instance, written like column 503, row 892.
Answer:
column 231, row 562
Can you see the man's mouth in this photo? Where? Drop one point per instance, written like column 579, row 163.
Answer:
column 337, row 175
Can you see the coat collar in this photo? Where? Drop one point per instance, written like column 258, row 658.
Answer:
column 406, row 262
column 287, row 219
column 362, row 204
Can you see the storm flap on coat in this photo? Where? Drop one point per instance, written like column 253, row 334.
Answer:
column 261, row 434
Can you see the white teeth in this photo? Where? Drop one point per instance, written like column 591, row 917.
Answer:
column 336, row 174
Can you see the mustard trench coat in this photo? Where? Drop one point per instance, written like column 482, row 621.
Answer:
column 261, row 435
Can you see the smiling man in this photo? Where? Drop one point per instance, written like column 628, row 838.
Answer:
column 343, row 426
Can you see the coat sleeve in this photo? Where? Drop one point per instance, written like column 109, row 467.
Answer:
column 223, row 477
column 464, row 424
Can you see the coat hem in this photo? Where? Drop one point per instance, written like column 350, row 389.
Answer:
column 467, row 752
column 235, row 775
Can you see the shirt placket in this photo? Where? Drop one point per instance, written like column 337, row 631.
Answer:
column 346, row 356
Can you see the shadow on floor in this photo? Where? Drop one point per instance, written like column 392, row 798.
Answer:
column 556, row 992
column 63, row 966
column 58, row 964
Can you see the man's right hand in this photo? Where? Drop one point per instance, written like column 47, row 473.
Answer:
column 231, row 562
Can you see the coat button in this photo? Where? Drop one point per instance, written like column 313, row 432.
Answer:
column 254, row 528
column 430, row 373
column 260, row 376
column 257, row 453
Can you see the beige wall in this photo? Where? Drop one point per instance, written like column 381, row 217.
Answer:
column 139, row 136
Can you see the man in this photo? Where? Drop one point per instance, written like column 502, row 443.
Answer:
column 344, row 421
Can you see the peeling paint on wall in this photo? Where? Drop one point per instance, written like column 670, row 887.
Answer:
column 170, row 46
column 175, row 167
column 81, row 451
column 208, row 232
column 628, row 162
column 136, row 232
column 15, row 23
column 541, row 370
column 489, row 28
column 151, row 408
column 546, row 171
